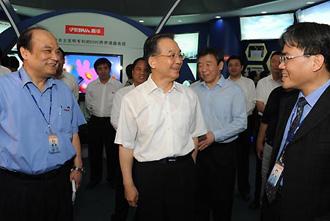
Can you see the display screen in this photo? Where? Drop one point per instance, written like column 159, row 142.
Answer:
column 82, row 67
column 319, row 14
column 265, row 26
column 188, row 44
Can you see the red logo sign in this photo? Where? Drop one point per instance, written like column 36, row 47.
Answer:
column 84, row 30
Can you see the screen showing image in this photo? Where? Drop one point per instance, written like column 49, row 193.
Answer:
column 188, row 44
column 82, row 67
column 4, row 25
column 319, row 14
column 265, row 26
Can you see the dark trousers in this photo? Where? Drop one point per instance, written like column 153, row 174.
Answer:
column 271, row 212
column 216, row 179
column 257, row 181
column 45, row 197
column 166, row 190
column 242, row 158
column 121, row 204
column 101, row 133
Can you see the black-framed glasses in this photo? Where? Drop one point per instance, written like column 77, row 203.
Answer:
column 172, row 56
column 286, row 58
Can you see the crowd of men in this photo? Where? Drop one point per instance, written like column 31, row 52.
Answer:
column 173, row 152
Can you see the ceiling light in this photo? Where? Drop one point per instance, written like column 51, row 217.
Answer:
column 179, row 20
column 309, row 3
column 15, row 9
column 263, row 12
column 141, row 21
column 218, row 16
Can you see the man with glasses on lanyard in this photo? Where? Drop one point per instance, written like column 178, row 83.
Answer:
column 158, row 126
column 298, row 187
column 39, row 144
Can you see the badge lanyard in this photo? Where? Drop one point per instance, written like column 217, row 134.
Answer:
column 36, row 103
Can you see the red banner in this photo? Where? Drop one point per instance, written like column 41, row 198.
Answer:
column 84, row 30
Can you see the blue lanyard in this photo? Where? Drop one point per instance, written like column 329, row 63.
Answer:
column 35, row 101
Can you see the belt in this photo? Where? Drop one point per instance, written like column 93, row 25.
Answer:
column 169, row 160
column 44, row 176
column 96, row 117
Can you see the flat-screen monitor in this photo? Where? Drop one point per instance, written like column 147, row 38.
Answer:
column 4, row 25
column 318, row 13
column 265, row 26
column 82, row 67
column 188, row 44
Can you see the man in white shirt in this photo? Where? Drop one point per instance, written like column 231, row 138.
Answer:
column 264, row 87
column 66, row 77
column 235, row 68
column 158, row 127
column 139, row 75
column 99, row 96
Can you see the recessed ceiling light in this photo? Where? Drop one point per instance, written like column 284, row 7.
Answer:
column 263, row 12
column 141, row 21
column 218, row 16
column 15, row 9
column 309, row 3
column 179, row 20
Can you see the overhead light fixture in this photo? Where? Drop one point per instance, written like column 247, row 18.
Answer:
column 309, row 3
column 141, row 21
column 179, row 20
column 218, row 16
column 15, row 9
column 263, row 12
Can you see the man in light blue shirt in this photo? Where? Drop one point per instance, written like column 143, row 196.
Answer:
column 39, row 143
column 224, row 110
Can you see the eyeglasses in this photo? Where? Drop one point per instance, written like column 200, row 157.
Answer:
column 286, row 58
column 173, row 56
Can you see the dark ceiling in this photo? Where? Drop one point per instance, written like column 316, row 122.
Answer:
column 143, row 7
column 151, row 11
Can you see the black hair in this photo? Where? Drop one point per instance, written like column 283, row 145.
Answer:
column 275, row 53
column 129, row 71
column 100, row 61
column 136, row 61
column 151, row 45
column 312, row 38
column 25, row 39
column 210, row 51
column 235, row 57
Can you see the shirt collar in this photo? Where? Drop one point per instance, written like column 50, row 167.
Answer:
column 151, row 86
column 25, row 78
column 313, row 97
column 220, row 82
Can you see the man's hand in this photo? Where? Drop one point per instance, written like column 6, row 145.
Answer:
column 131, row 195
column 207, row 141
column 260, row 149
column 76, row 176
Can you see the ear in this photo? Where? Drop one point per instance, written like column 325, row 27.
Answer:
column 318, row 62
column 152, row 62
column 220, row 66
column 24, row 52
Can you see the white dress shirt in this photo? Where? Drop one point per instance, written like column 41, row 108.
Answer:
column 157, row 125
column 70, row 80
column 116, row 104
column 99, row 97
column 264, row 87
column 249, row 89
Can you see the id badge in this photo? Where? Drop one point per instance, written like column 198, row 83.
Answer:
column 275, row 174
column 53, row 144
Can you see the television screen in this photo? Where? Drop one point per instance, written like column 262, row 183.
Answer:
column 188, row 44
column 82, row 67
column 265, row 26
column 4, row 25
column 318, row 13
